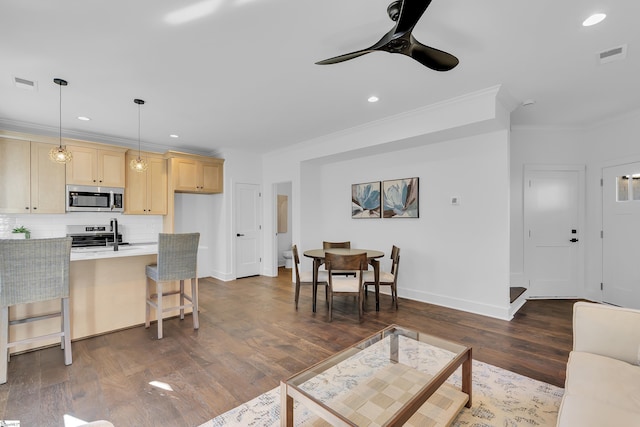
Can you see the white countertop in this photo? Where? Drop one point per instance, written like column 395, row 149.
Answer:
column 134, row 249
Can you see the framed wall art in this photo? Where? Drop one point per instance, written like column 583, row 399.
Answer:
column 400, row 198
column 365, row 200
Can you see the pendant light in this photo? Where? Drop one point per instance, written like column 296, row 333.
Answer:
column 139, row 164
column 60, row 154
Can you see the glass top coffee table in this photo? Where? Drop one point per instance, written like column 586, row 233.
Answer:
column 394, row 377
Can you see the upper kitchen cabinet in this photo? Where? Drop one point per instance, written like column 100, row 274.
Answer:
column 29, row 181
column 195, row 174
column 96, row 166
column 146, row 192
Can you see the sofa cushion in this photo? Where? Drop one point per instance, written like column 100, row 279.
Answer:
column 612, row 382
column 584, row 411
column 607, row 330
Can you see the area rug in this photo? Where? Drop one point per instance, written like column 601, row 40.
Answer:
column 500, row 398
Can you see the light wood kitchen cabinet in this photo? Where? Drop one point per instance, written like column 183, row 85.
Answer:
column 146, row 192
column 30, row 181
column 197, row 176
column 96, row 166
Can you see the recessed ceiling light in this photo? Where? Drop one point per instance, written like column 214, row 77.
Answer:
column 84, row 119
column 373, row 99
column 173, row 135
column 594, row 19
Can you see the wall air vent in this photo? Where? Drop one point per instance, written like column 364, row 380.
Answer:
column 613, row 54
column 25, row 84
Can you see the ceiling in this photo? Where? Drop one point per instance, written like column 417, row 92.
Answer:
column 241, row 73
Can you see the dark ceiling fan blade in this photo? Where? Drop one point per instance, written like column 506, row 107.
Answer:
column 410, row 14
column 377, row 46
column 345, row 57
column 399, row 39
column 431, row 57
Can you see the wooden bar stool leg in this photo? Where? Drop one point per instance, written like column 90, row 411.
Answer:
column 159, row 308
column 4, row 341
column 66, row 328
column 181, row 299
column 194, row 301
column 147, row 316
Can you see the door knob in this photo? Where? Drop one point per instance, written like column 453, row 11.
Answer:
column 239, row 235
column 573, row 240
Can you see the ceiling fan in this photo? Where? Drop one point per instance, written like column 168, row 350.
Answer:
column 406, row 14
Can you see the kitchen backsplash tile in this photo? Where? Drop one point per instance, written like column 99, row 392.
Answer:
column 134, row 228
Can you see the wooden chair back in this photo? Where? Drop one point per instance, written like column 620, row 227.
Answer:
column 296, row 261
column 353, row 262
column 332, row 245
column 395, row 259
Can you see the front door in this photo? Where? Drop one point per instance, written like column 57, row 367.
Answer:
column 621, row 235
column 247, row 219
column 552, row 227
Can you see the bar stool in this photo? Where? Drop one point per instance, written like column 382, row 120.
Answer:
column 31, row 271
column 177, row 260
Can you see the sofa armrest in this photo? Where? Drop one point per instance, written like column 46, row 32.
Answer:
column 607, row 330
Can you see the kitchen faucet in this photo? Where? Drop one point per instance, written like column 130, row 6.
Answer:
column 114, row 228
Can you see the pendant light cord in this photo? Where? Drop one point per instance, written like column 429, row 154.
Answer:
column 138, row 131
column 60, row 122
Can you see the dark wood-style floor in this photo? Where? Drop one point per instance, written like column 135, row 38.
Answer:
column 250, row 338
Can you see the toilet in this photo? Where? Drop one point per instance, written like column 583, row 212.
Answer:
column 288, row 259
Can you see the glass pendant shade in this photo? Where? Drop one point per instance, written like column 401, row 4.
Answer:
column 60, row 154
column 138, row 164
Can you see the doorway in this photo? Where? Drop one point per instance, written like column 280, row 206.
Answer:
column 284, row 233
column 621, row 235
column 553, row 222
column 247, row 225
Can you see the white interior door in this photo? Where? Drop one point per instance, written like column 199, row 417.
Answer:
column 621, row 235
column 552, row 224
column 247, row 220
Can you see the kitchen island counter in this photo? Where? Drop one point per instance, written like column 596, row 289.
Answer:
column 132, row 249
column 107, row 293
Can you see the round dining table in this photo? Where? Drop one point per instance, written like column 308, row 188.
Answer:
column 318, row 256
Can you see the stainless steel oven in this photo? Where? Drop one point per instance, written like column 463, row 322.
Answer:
column 82, row 198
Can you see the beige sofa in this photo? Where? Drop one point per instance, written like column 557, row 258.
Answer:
column 603, row 373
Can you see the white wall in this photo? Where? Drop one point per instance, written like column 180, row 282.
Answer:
column 199, row 213
column 455, row 256
column 452, row 255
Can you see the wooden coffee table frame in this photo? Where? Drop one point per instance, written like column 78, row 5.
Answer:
column 290, row 391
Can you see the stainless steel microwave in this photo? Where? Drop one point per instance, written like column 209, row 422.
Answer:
column 82, row 198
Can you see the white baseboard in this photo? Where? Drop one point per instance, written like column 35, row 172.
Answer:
column 489, row 310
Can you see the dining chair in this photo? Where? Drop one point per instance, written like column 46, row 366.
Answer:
column 339, row 245
column 387, row 278
column 177, row 260
column 332, row 245
column 345, row 285
column 34, row 270
column 306, row 277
